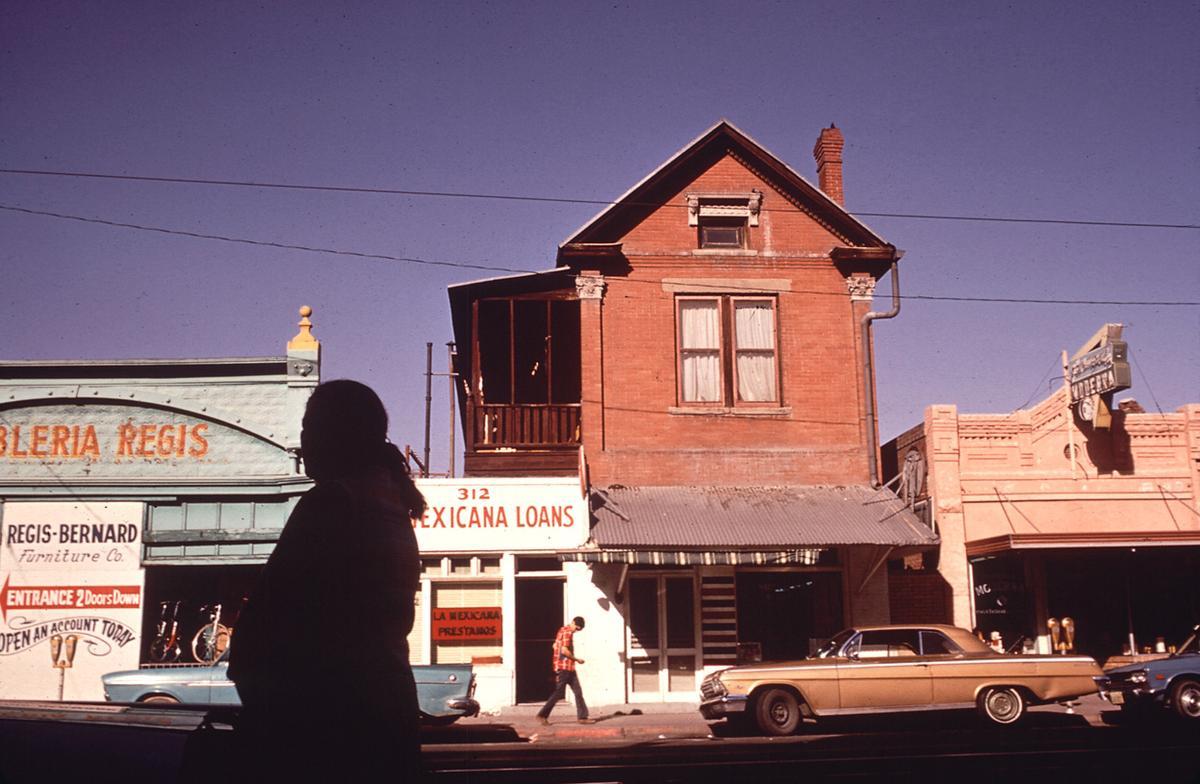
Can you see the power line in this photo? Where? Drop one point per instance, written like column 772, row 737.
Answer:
column 262, row 243
column 559, row 200
column 497, row 268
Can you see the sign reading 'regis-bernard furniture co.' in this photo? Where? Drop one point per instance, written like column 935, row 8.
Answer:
column 500, row 515
column 71, row 593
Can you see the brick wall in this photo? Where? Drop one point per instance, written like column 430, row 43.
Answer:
column 638, row 435
column 919, row 596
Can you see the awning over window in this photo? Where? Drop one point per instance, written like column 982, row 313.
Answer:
column 1082, row 540
column 694, row 558
column 745, row 525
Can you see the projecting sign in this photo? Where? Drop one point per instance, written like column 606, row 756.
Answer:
column 1100, row 371
column 71, row 590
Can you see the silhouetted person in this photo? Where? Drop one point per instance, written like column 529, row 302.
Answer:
column 320, row 653
column 564, row 660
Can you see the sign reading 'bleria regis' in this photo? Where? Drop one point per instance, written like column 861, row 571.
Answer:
column 116, row 440
column 83, row 441
column 545, row 513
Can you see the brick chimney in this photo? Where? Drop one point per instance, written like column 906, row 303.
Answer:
column 828, row 152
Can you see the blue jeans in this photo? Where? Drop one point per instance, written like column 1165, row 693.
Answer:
column 563, row 679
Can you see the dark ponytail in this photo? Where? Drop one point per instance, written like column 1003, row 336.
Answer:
column 393, row 459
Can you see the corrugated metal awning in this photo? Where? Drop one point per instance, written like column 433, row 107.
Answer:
column 776, row 519
column 696, row 558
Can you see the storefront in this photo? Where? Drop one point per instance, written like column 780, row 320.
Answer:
column 1118, row 598
column 135, row 490
column 493, row 589
column 1045, row 516
column 708, row 577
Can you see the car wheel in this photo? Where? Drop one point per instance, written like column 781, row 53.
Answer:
column 777, row 712
column 1185, row 698
column 437, row 721
column 160, row 699
column 1002, row 705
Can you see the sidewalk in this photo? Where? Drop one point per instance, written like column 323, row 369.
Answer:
column 612, row 722
column 677, row 721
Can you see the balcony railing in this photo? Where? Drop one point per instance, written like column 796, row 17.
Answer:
column 532, row 426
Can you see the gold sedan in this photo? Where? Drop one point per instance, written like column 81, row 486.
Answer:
column 880, row 669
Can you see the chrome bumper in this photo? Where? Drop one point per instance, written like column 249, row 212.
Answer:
column 464, row 705
column 722, row 707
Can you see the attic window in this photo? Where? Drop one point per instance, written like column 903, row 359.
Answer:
column 722, row 219
column 722, row 232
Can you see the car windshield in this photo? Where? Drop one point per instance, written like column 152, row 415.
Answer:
column 834, row 644
column 1192, row 643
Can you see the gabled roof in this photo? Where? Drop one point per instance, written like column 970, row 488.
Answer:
column 706, row 148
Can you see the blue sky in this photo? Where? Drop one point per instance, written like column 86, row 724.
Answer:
column 1077, row 111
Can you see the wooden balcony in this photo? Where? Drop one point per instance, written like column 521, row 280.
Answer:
column 532, row 426
column 523, row 440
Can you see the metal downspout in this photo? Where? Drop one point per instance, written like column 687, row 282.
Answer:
column 869, row 372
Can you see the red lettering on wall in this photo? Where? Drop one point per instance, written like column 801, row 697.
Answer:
column 125, row 435
column 37, row 441
column 59, row 446
column 466, row 624
column 91, row 445
column 200, row 447
column 17, row 451
column 166, row 440
column 145, row 435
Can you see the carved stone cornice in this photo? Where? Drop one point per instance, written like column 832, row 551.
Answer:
column 590, row 286
column 861, row 288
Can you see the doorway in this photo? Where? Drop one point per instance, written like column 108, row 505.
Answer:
column 787, row 614
column 539, row 614
column 662, row 637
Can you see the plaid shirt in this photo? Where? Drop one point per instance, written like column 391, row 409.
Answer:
column 564, row 649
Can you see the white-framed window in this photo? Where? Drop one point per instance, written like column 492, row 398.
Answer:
column 723, row 220
column 465, row 596
column 728, row 351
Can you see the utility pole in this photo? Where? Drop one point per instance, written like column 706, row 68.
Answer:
column 451, row 375
column 428, row 401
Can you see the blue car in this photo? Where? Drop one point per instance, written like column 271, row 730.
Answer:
column 1172, row 683
column 446, row 692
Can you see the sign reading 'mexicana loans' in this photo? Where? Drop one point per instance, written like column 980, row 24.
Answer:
column 498, row 515
column 72, row 588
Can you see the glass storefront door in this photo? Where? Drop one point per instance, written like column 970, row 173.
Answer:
column 661, row 637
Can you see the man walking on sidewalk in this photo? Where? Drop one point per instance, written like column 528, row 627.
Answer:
column 565, row 675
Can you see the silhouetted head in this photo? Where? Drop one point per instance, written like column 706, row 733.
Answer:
column 345, row 430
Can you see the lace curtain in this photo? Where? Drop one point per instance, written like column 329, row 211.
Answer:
column 700, row 351
column 754, row 331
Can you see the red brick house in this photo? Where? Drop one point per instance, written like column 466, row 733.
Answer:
column 698, row 352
